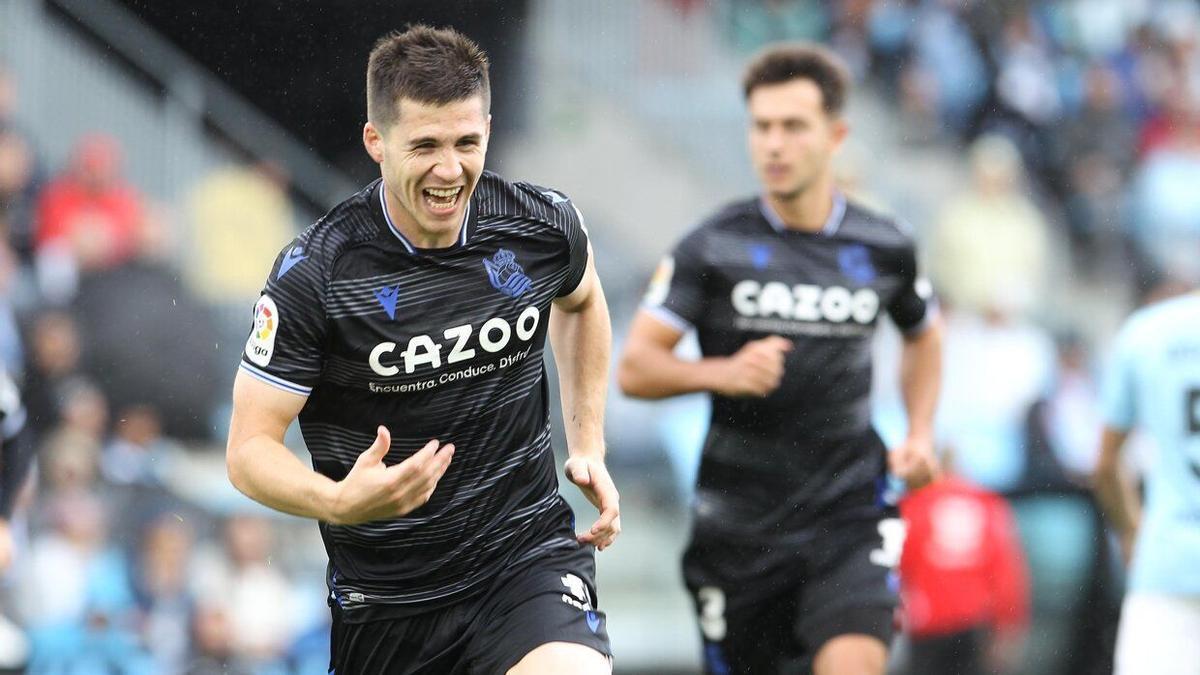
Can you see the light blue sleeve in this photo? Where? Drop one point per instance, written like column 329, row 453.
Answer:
column 1119, row 393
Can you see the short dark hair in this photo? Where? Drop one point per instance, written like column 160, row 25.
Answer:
column 427, row 65
column 800, row 61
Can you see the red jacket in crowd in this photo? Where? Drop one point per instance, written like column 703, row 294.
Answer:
column 962, row 565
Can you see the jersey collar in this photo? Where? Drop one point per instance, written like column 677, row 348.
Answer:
column 379, row 205
column 832, row 223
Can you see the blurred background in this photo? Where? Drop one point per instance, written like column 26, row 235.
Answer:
column 155, row 157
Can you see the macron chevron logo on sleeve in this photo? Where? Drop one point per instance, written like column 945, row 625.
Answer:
column 387, row 297
column 290, row 259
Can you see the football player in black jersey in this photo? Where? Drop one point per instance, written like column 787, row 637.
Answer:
column 405, row 330
column 791, row 547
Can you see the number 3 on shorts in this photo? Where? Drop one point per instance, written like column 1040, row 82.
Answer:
column 712, row 613
column 892, row 530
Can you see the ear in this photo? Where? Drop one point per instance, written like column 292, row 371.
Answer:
column 841, row 129
column 487, row 130
column 373, row 142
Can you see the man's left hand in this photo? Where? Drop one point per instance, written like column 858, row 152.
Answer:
column 591, row 476
column 914, row 462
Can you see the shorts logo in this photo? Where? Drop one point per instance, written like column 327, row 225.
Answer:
column 593, row 621
column 295, row 255
column 855, row 262
column 387, row 297
column 506, row 275
column 579, row 596
column 261, row 344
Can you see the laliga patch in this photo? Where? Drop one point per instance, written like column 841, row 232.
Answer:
column 660, row 283
column 261, row 343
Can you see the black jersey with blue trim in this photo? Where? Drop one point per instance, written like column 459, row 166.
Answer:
column 774, row 464
column 432, row 343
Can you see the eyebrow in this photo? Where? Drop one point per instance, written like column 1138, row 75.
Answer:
column 434, row 141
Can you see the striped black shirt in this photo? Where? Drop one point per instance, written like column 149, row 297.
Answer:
column 432, row 343
column 773, row 466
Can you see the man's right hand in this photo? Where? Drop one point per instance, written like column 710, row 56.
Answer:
column 375, row 491
column 756, row 369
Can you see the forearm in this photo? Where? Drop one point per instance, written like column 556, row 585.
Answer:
column 1113, row 487
column 653, row 372
column 921, row 380
column 267, row 472
column 582, row 343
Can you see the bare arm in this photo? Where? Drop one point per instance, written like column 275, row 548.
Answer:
column 649, row 367
column 262, row 467
column 581, row 336
column 920, row 381
column 1115, row 490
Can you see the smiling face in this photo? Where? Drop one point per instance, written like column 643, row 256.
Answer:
column 431, row 158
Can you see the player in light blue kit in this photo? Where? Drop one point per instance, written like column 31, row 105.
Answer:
column 1154, row 383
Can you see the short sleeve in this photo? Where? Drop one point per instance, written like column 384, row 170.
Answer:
column 285, row 347
column 1118, row 400
column 913, row 305
column 577, row 251
column 676, row 294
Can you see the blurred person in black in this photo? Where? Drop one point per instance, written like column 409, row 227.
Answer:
column 792, row 545
column 16, row 457
column 421, row 305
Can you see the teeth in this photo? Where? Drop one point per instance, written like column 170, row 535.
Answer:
column 445, row 192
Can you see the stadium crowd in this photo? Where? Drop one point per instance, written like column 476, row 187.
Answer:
column 1081, row 125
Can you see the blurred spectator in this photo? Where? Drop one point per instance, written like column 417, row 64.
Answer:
column 1063, row 431
column 240, row 218
column 138, row 453
column 995, row 368
column 69, row 462
column 212, row 643
column 88, row 218
column 19, row 174
column 54, row 359
column 160, row 349
column 1166, row 202
column 17, row 188
column 991, row 248
column 255, row 595
column 1026, row 79
column 162, row 593
column 77, row 599
column 964, row 582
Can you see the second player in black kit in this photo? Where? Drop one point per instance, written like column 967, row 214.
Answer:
column 790, row 557
column 392, row 342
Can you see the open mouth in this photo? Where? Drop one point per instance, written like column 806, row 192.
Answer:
column 442, row 199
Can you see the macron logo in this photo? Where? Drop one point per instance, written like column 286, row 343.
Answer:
column 290, row 259
column 387, row 297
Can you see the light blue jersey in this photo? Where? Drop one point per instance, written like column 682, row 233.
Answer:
column 1154, row 384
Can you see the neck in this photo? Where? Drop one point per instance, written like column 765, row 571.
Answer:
column 806, row 210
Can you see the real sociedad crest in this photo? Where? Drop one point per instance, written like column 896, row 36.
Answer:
column 506, row 275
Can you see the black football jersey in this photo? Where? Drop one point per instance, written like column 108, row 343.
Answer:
column 774, row 464
column 432, row 343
